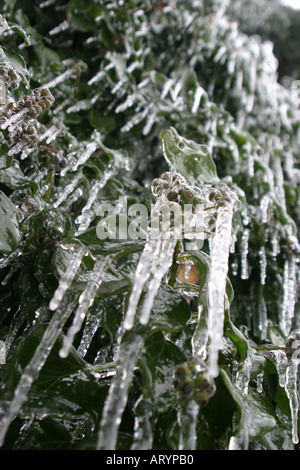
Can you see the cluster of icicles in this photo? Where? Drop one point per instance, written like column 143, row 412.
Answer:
column 153, row 266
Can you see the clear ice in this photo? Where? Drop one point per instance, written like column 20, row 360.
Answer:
column 289, row 295
column 85, row 301
column 33, row 368
column 216, row 287
column 66, row 280
column 118, row 393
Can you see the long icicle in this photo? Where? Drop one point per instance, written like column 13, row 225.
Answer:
column 289, row 297
column 33, row 368
column 164, row 261
column 118, row 393
column 156, row 259
column 291, row 388
column 88, row 212
column 142, row 274
column 217, row 284
column 143, row 434
column 85, row 301
column 187, row 418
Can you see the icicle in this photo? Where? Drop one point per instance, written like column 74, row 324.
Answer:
column 15, row 119
column 289, row 290
column 50, row 134
column 187, row 420
column 263, row 265
column 8, row 258
column 3, row 352
column 264, row 205
column 33, row 368
column 291, row 388
column 197, row 98
column 69, row 73
column 61, row 27
column 217, row 284
column 14, row 268
column 259, row 382
column 243, row 375
column 244, row 254
column 88, row 213
column 161, row 266
column 92, row 324
column 118, row 392
column 96, row 78
column 75, row 196
column 85, row 301
column 275, row 245
column 142, row 274
column 281, row 362
column 66, row 280
column 136, row 119
column 90, row 149
column 262, row 320
column 67, row 191
column 143, row 436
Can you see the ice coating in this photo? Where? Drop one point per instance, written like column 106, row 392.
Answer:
column 85, row 301
column 191, row 160
column 33, row 368
column 67, row 279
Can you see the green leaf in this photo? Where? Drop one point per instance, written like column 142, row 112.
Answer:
column 191, row 160
column 65, row 388
column 10, row 235
column 14, row 178
column 170, row 311
column 255, row 417
column 158, row 364
column 16, row 61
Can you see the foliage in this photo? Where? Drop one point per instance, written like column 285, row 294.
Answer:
column 87, row 89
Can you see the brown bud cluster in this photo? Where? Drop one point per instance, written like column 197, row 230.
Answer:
column 20, row 120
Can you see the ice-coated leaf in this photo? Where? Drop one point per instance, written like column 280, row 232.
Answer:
column 16, row 61
column 10, row 235
column 158, row 364
column 188, row 158
column 63, row 388
column 256, row 416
